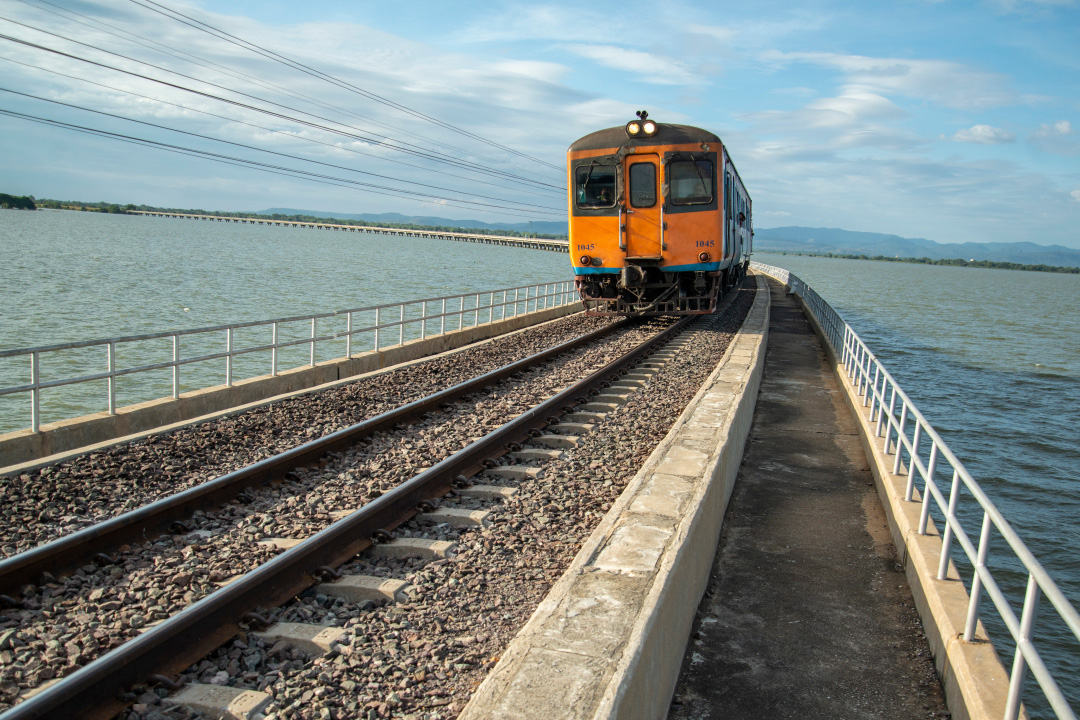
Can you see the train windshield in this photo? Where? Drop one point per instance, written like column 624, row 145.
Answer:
column 595, row 185
column 691, row 182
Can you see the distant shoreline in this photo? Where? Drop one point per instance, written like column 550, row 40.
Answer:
column 956, row 262
column 113, row 208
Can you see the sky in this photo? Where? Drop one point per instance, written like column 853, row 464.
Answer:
column 940, row 119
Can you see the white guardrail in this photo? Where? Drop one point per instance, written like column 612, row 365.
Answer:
column 906, row 434
column 409, row 320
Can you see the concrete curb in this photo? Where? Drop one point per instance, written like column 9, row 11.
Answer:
column 24, row 450
column 609, row 639
column 975, row 682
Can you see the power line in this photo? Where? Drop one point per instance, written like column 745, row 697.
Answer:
column 289, row 135
column 265, row 167
column 409, row 148
column 291, row 157
column 211, row 65
column 270, row 54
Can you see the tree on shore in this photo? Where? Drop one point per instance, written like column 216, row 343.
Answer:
column 17, row 202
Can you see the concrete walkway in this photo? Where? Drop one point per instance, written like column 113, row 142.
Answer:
column 807, row 614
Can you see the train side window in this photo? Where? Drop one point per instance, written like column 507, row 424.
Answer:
column 643, row 184
column 691, row 182
column 727, row 193
column 595, row 186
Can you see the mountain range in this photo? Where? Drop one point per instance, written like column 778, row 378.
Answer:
column 819, row 241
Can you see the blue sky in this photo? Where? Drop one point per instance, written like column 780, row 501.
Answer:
column 953, row 121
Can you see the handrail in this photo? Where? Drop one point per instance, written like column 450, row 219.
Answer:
column 421, row 317
column 906, row 432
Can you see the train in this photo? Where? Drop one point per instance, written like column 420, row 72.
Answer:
column 660, row 221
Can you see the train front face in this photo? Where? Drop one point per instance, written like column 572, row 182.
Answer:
column 646, row 223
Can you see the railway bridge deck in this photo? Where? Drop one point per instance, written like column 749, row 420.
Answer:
column 749, row 569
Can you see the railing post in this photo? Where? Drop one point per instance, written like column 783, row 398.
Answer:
column 900, row 439
column 881, row 411
column 273, row 350
column 376, row 329
column 912, row 454
column 423, row 320
column 476, row 315
column 1019, row 669
column 873, row 393
column 312, row 362
column 461, row 313
column 401, row 326
column 442, row 320
column 972, row 620
column 946, row 538
column 931, row 466
column 348, row 334
column 112, row 378
column 228, row 357
column 491, row 307
column 35, row 392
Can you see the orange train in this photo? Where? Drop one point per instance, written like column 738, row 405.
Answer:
column 660, row 222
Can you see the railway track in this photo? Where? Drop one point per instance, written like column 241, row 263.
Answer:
column 346, row 510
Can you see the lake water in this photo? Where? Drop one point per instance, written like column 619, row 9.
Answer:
column 989, row 356
column 70, row 276
column 992, row 359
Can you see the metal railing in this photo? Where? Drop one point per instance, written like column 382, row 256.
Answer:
column 387, row 326
column 906, row 434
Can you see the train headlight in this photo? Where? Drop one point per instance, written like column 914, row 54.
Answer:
column 703, row 257
column 597, row 262
column 648, row 127
column 633, row 128
column 585, row 260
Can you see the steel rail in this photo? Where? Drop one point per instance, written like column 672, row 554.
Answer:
column 170, row 647
column 138, row 525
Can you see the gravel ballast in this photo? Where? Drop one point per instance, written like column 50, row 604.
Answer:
column 419, row 659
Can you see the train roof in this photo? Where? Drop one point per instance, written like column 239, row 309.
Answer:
column 666, row 134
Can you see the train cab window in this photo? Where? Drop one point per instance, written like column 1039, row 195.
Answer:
column 643, row 185
column 595, row 186
column 691, row 182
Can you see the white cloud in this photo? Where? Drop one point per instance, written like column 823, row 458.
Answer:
column 1059, row 138
column 1075, row 195
column 649, row 67
column 984, row 135
column 946, row 83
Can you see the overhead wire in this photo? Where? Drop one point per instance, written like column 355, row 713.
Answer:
column 290, row 135
column 270, row 54
column 266, row 167
column 403, row 147
column 281, row 154
column 185, row 56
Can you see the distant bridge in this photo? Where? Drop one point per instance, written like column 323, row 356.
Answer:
column 532, row 243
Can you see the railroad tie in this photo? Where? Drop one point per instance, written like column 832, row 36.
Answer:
column 312, row 640
column 365, row 588
column 221, row 701
column 552, row 440
column 487, row 492
column 515, row 472
column 536, row 454
column 456, row 517
column 414, row 547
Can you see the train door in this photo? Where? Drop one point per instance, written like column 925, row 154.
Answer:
column 642, row 210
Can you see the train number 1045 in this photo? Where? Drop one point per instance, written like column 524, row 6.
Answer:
column 705, row 243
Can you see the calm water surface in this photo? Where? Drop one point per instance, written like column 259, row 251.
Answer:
column 71, row 276
column 992, row 359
